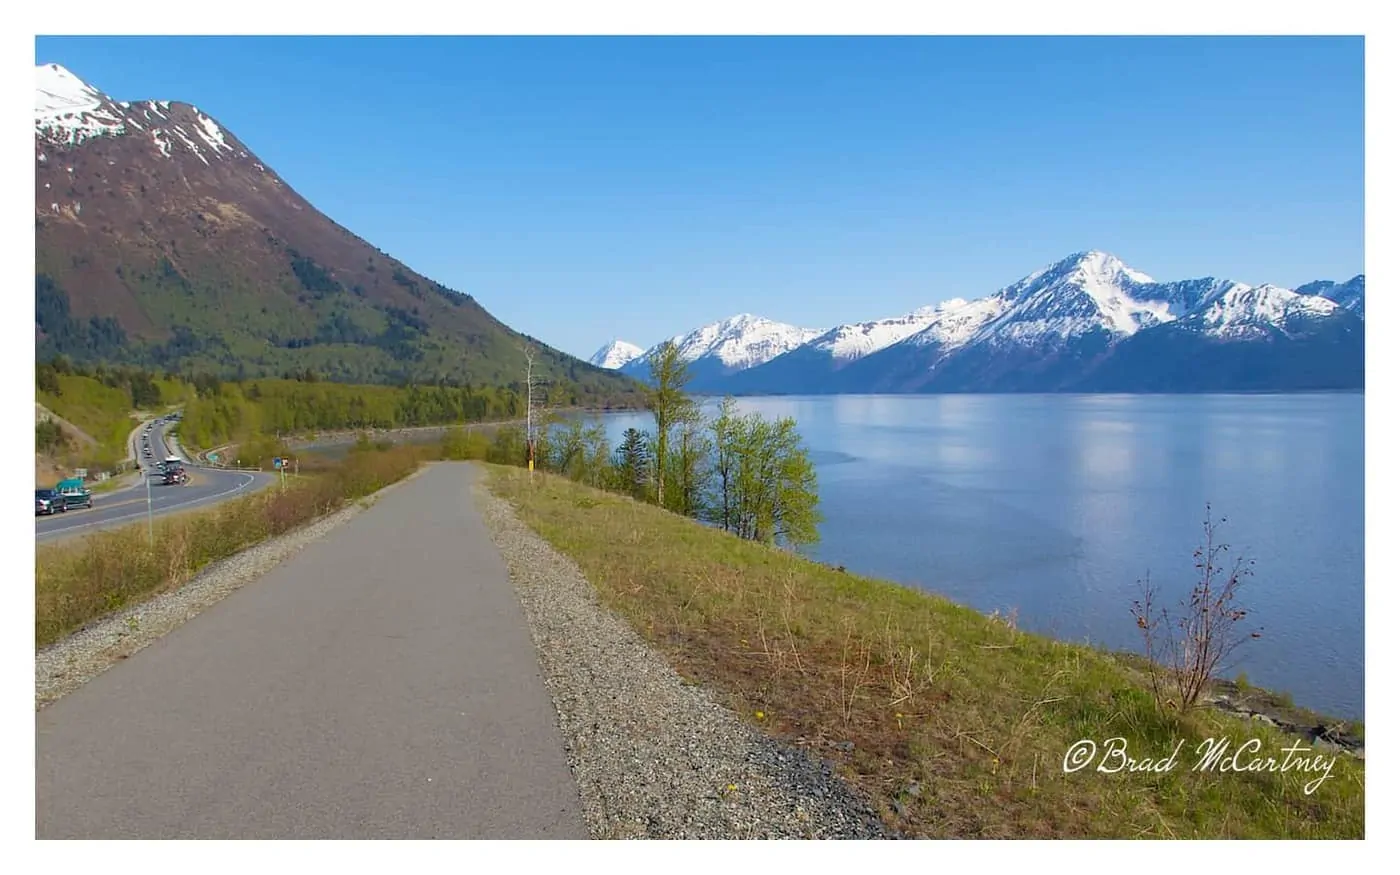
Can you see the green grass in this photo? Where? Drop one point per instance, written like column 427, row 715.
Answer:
column 102, row 412
column 977, row 714
column 77, row 582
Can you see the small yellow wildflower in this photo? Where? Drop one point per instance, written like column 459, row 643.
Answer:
column 758, row 714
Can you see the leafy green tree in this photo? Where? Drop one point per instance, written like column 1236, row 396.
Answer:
column 144, row 392
column 596, row 452
column 508, row 447
column 690, row 468
column 723, row 509
column 669, row 404
column 775, row 491
column 46, row 379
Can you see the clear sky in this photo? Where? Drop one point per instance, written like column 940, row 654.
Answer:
column 585, row 189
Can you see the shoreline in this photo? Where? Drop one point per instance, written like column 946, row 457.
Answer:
column 1226, row 695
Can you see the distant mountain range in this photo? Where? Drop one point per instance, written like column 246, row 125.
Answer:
column 162, row 240
column 1087, row 323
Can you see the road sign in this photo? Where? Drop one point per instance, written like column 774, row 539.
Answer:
column 277, row 463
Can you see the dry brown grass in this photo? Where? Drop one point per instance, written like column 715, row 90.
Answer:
column 953, row 723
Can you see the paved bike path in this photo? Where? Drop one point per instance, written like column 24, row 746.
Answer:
column 380, row 683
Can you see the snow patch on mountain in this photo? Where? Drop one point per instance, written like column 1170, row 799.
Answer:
column 1110, row 283
column 957, row 320
column 69, row 112
column 1243, row 311
column 616, row 354
column 210, row 132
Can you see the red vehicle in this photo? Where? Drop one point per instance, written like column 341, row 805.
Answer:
column 175, row 475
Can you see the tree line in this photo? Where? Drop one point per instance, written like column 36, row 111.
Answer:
column 139, row 384
column 226, row 412
column 742, row 473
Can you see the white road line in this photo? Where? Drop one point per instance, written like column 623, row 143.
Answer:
column 109, row 520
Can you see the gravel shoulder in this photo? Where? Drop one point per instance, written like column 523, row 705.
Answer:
column 655, row 757
column 67, row 664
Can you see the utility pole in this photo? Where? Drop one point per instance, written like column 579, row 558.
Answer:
column 530, row 392
column 150, row 513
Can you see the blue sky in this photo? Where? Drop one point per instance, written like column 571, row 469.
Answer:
column 585, row 189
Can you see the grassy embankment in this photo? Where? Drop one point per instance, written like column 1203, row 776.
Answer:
column 105, row 414
column 953, row 723
column 76, row 582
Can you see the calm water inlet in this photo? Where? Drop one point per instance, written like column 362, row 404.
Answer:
column 1054, row 506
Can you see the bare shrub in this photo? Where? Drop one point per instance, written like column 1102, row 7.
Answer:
column 1188, row 648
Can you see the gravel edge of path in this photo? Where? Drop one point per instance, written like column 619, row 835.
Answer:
column 654, row 756
column 67, row 664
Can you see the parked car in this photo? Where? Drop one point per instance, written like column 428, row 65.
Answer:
column 47, row 502
column 74, row 493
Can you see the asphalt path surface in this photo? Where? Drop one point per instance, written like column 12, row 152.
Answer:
column 125, row 506
column 381, row 683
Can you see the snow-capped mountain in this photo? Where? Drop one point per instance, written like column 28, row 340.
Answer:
column 833, row 350
column 69, row 112
column 1085, row 321
column 846, row 343
column 1243, row 311
column 729, row 346
column 614, row 355
column 1351, row 295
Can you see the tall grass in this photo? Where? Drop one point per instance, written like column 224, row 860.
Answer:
column 75, row 583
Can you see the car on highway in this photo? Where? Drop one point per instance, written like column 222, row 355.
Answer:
column 173, row 470
column 47, row 502
column 74, row 493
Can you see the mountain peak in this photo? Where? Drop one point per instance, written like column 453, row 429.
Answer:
column 615, row 354
column 741, row 321
column 57, row 91
column 1103, row 266
column 69, row 112
column 736, row 343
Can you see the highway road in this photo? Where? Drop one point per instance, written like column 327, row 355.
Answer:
column 380, row 683
column 126, row 506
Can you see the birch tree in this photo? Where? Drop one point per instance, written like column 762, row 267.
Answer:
column 669, row 404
